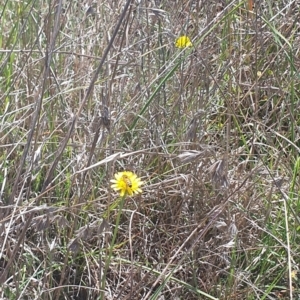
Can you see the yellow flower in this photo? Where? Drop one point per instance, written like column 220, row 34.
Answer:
column 183, row 42
column 126, row 183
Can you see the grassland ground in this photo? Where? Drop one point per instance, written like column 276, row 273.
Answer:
column 211, row 127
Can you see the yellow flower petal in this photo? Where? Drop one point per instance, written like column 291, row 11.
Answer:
column 183, row 42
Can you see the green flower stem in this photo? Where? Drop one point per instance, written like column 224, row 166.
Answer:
column 108, row 258
column 112, row 207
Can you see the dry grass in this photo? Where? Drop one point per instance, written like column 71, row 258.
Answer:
column 91, row 88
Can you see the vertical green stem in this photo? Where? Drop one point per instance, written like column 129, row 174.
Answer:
column 108, row 258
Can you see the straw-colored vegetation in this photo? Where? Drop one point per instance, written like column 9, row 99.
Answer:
column 90, row 89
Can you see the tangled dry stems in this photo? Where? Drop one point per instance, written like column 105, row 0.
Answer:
column 217, row 139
